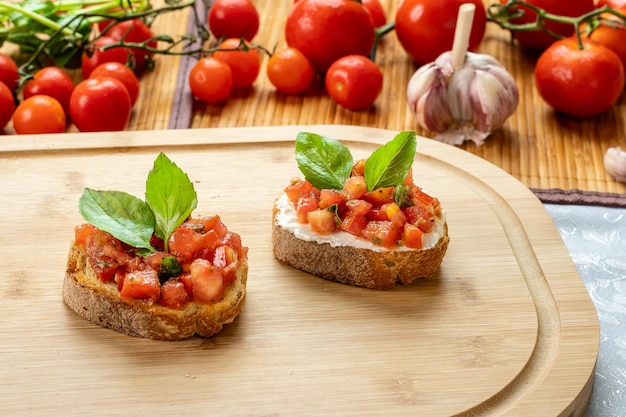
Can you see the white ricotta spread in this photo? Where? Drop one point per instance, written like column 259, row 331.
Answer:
column 287, row 219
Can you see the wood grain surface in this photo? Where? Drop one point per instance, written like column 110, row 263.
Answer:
column 505, row 328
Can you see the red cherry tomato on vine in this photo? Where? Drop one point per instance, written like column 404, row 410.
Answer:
column 89, row 62
column 233, row 19
column 326, row 30
column 613, row 38
column 211, row 80
column 37, row 115
column 290, row 71
column 245, row 65
column 425, row 28
column 7, row 105
column 579, row 82
column 354, row 82
column 539, row 39
column 8, row 71
column 52, row 82
column 135, row 31
column 100, row 105
column 375, row 9
column 123, row 74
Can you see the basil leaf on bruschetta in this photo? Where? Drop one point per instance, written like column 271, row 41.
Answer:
column 122, row 215
column 325, row 162
column 171, row 196
column 390, row 164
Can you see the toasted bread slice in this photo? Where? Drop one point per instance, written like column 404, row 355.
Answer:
column 375, row 269
column 101, row 303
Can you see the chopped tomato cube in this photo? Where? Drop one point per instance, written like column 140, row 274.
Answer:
column 185, row 279
column 229, row 273
column 420, row 198
column 173, row 294
column 208, row 284
column 82, row 232
column 141, row 284
column 359, row 168
column 354, row 223
column 360, row 207
column 394, row 213
column 355, row 187
column 380, row 196
column 322, row 221
column 224, row 256
column 304, row 206
column 412, row 236
column 329, row 197
column 409, row 177
column 421, row 217
column 233, row 240
column 297, row 189
column 376, row 214
column 383, row 233
column 181, row 243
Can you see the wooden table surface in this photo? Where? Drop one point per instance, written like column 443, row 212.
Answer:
column 542, row 149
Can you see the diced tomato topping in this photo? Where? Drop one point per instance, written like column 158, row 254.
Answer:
column 224, row 256
column 409, row 178
column 173, row 294
column 359, row 207
column 304, row 206
column 105, row 253
column 181, row 243
column 141, row 284
column 420, row 198
column 383, row 233
column 412, row 236
column 322, row 221
column 185, row 279
column 297, row 189
column 421, row 217
column 354, row 223
column 229, row 273
column 83, row 232
column 330, row 197
column 359, row 168
column 207, row 281
column 380, row 196
column 155, row 259
column 355, row 187
column 394, row 213
column 233, row 240
column 376, row 214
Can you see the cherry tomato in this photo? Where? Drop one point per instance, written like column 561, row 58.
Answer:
column 52, row 82
column 579, row 82
column 245, row 65
column 135, row 31
column 375, row 9
column 37, row 115
column 290, row 71
column 539, row 39
column 7, row 105
column 613, row 38
column 89, row 62
column 122, row 73
column 8, row 71
column 211, row 80
column 425, row 28
column 233, row 19
column 326, row 30
column 354, row 82
column 100, row 104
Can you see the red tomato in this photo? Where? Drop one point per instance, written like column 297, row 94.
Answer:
column 98, row 56
column 322, row 221
column 539, row 39
column 100, row 104
column 326, row 30
column 354, row 82
column 7, row 105
column 245, row 65
column 579, row 82
column 39, row 114
column 53, row 82
column 9, row 74
column 211, row 80
column 208, row 284
column 425, row 28
column 614, row 4
column 612, row 38
column 383, row 233
column 375, row 9
column 173, row 294
column 122, row 73
column 135, row 31
column 233, row 19
column 290, row 71
column 412, row 236
column 141, row 285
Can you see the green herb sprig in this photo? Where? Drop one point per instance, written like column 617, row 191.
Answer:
column 170, row 198
column 327, row 163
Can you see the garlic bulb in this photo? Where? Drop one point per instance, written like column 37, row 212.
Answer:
column 615, row 163
column 468, row 103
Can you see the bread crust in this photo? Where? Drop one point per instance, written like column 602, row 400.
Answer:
column 101, row 303
column 379, row 270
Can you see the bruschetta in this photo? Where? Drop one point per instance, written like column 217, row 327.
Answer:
column 148, row 268
column 363, row 223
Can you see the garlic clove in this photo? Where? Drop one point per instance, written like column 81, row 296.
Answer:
column 615, row 163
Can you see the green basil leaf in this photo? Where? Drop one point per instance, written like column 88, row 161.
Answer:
column 124, row 216
column 326, row 163
column 390, row 164
column 170, row 195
